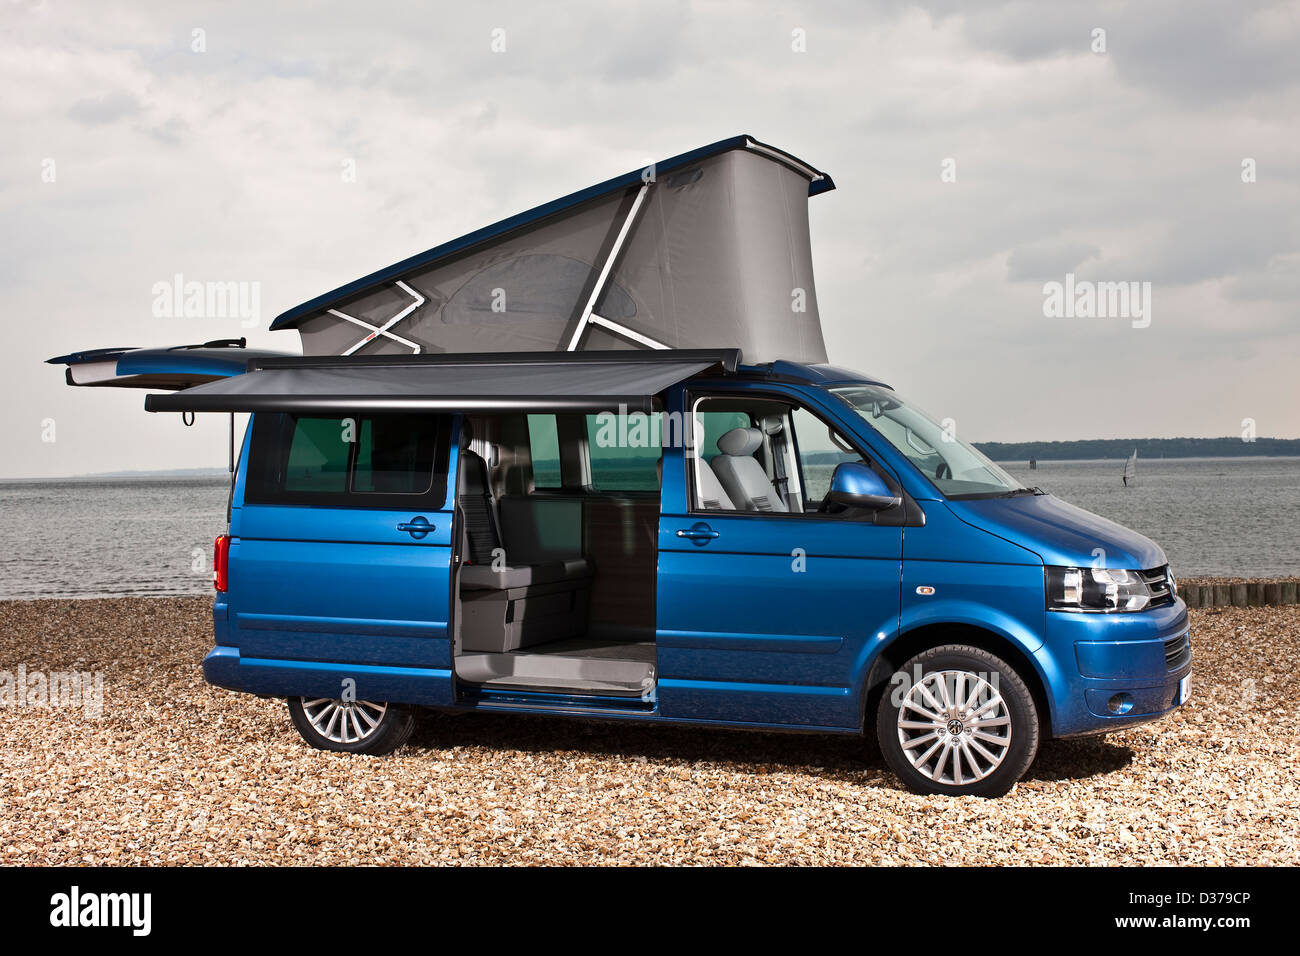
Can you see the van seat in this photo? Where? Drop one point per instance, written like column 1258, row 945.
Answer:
column 524, row 565
column 507, row 601
column 743, row 478
column 482, row 576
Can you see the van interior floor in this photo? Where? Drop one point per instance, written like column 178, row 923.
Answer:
column 577, row 665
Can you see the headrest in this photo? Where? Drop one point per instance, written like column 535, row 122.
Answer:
column 740, row 442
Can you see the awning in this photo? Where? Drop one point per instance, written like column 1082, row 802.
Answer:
column 583, row 381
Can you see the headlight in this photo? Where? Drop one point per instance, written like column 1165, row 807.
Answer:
column 1096, row 589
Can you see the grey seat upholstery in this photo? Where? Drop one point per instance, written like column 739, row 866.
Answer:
column 482, row 576
column 742, row 477
column 709, row 491
column 484, row 538
column 504, row 605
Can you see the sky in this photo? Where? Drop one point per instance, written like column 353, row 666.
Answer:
column 982, row 152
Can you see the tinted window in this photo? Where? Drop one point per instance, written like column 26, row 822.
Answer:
column 360, row 461
column 544, row 442
column 624, row 451
column 395, row 455
column 319, row 451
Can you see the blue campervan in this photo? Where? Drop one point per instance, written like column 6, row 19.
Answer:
column 593, row 462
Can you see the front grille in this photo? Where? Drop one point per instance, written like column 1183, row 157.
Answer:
column 1157, row 579
column 1178, row 650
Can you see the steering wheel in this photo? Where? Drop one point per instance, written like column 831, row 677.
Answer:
column 943, row 471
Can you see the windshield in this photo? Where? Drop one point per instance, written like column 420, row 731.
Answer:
column 953, row 467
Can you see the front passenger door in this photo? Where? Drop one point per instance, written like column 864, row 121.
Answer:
column 765, row 616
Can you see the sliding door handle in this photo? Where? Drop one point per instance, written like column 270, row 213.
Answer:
column 417, row 527
column 699, row 532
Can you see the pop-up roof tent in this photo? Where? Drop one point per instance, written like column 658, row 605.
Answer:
column 706, row 254
column 709, row 249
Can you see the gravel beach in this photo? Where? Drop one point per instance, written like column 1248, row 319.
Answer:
column 177, row 772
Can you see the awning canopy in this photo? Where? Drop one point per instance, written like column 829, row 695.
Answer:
column 583, row 381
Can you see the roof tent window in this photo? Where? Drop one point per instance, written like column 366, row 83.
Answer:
column 545, row 287
column 363, row 461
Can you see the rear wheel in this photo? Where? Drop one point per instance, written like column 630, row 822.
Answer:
column 352, row 726
column 960, row 721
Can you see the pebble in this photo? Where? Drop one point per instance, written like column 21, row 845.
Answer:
column 178, row 772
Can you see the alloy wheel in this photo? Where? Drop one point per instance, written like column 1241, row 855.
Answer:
column 954, row 727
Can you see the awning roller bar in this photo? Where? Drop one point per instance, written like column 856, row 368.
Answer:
column 553, row 381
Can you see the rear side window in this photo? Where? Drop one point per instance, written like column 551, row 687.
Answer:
column 544, row 442
column 624, row 451
column 362, row 461
column 318, row 457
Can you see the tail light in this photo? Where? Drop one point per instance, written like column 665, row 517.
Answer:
column 221, row 562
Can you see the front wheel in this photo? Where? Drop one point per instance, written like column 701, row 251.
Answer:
column 958, row 720
column 352, row 726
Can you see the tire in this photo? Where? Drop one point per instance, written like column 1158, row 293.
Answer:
column 936, row 749
column 384, row 727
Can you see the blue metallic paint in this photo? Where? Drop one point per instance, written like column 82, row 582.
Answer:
column 337, row 586
column 809, row 592
column 744, row 639
column 1061, row 533
column 854, row 479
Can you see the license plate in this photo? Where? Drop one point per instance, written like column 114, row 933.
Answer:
column 1184, row 689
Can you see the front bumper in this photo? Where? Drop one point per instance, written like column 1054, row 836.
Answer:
column 1099, row 656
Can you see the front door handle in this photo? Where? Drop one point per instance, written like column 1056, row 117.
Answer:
column 700, row 533
column 417, row 527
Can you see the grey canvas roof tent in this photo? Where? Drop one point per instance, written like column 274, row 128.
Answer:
column 602, row 297
column 709, row 249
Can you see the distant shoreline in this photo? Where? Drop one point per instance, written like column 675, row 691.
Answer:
column 994, row 450
column 1101, row 449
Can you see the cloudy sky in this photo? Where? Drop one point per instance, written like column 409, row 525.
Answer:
column 131, row 156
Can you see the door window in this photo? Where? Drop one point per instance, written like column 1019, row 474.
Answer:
column 764, row 455
column 394, row 460
column 821, row 449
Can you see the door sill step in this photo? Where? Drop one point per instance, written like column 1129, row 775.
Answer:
column 553, row 698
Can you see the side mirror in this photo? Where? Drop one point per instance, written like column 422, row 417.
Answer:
column 854, row 485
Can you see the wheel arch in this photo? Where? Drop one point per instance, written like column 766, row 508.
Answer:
column 921, row 638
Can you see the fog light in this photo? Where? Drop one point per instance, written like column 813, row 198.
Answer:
column 1120, row 704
